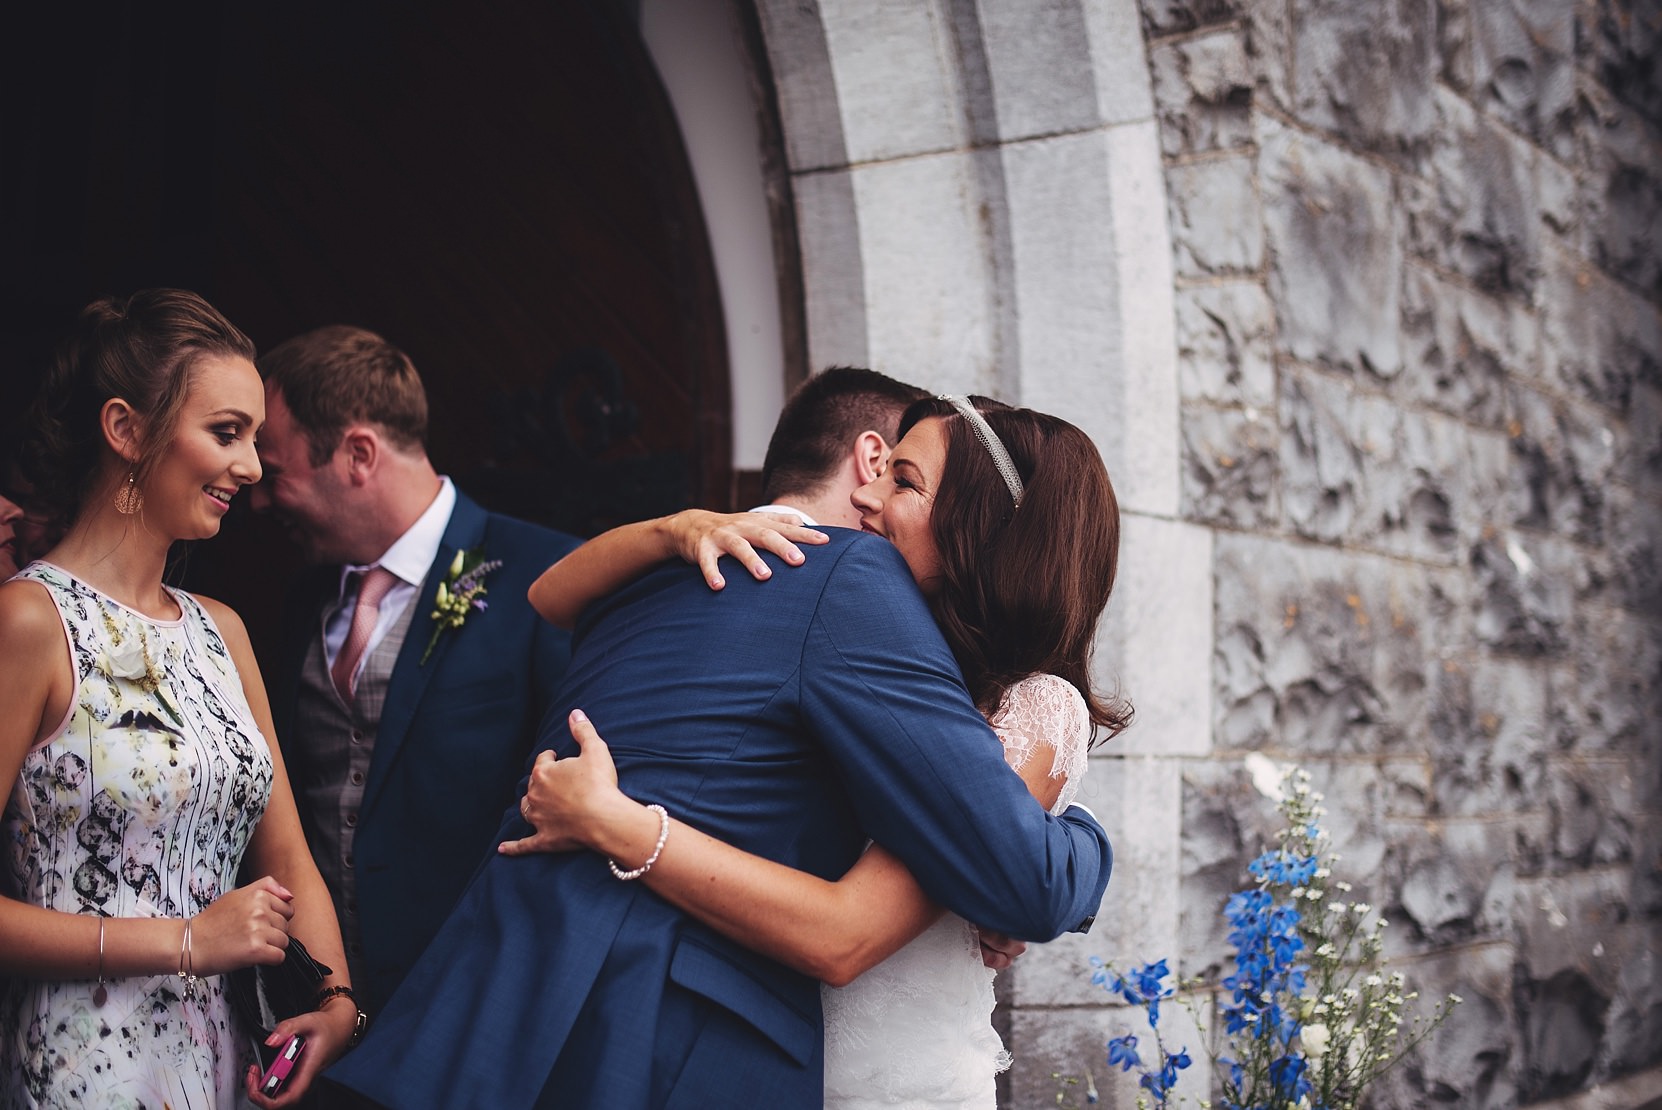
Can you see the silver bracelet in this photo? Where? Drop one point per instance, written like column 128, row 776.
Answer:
column 187, row 963
column 663, row 835
column 100, row 994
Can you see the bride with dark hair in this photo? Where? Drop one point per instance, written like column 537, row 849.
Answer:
column 1009, row 524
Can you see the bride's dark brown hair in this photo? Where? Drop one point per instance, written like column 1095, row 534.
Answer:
column 1022, row 588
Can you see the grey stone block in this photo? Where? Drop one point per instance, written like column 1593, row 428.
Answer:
column 1231, row 468
column 1564, row 1006
column 1562, row 465
column 1166, row 17
column 1639, row 439
column 1215, row 224
column 1526, row 590
column 1591, row 804
column 1226, row 344
column 1599, row 338
column 1622, row 190
column 1479, row 216
column 897, row 78
column 1203, row 92
column 1336, row 257
column 1463, row 347
column 1489, row 737
column 828, row 230
column 1559, row 194
column 928, row 281
column 1634, row 531
column 1523, row 68
column 1323, row 652
column 1626, row 40
column 804, row 84
column 1358, row 469
column 1118, row 61
column 1156, row 642
column 1470, row 1061
column 1366, row 72
column 1054, row 1050
column 1604, row 697
column 1269, row 42
column 1634, row 1040
column 1038, row 57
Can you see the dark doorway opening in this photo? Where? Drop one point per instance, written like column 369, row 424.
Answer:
column 500, row 189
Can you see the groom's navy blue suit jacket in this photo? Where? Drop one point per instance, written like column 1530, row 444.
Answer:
column 452, row 738
column 793, row 718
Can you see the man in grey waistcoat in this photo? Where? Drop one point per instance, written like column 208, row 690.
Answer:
column 404, row 709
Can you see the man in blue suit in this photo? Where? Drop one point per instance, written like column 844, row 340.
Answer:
column 405, row 722
column 793, row 719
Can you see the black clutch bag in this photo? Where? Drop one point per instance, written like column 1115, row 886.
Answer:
column 264, row 995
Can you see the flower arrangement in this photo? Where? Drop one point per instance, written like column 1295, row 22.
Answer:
column 461, row 592
column 1309, row 1019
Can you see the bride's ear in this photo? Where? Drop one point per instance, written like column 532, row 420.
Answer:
column 871, row 454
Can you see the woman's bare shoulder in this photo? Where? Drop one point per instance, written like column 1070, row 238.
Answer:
column 28, row 618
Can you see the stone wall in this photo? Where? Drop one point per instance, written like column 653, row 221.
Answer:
column 1417, row 253
column 1379, row 379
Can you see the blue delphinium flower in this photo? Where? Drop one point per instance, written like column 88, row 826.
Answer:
column 1287, row 937
column 1122, row 1053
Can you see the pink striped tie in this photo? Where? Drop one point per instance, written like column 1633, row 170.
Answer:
column 373, row 585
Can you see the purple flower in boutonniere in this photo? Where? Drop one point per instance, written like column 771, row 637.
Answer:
column 461, row 592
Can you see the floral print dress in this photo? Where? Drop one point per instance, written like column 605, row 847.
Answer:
column 140, row 805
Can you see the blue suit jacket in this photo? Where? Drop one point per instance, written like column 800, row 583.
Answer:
column 452, row 741
column 792, row 718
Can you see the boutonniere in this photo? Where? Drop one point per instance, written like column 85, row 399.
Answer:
column 461, row 592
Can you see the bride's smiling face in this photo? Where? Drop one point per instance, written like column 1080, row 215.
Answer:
column 900, row 502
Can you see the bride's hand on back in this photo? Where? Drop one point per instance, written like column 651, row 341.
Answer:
column 572, row 803
column 702, row 538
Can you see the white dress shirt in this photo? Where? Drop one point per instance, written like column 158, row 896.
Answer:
column 409, row 558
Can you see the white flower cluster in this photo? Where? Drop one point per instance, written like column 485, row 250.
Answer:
column 1352, row 1015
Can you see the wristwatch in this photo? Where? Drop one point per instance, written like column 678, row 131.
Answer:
column 360, row 1025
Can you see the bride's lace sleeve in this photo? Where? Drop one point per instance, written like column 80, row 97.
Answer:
column 1043, row 712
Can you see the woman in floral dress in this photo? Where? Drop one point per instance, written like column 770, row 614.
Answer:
column 136, row 743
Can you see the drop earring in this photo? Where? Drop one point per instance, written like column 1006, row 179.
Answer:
column 129, row 499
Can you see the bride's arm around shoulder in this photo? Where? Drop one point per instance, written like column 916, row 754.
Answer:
column 616, row 558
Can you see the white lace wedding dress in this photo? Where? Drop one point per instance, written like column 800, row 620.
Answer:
column 915, row 1032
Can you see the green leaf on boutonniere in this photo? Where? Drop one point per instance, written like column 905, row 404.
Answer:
column 461, row 592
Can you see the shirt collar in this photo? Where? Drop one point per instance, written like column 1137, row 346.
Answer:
column 806, row 521
column 413, row 553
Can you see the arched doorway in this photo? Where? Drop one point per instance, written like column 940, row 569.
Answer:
column 502, row 191
column 499, row 189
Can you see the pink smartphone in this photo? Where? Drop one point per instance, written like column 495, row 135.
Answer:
column 277, row 1074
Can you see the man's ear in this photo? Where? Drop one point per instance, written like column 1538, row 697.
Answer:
column 122, row 428
column 871, row 455
column 361, row 447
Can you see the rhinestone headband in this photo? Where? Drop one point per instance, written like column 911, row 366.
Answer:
column 989, row 439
